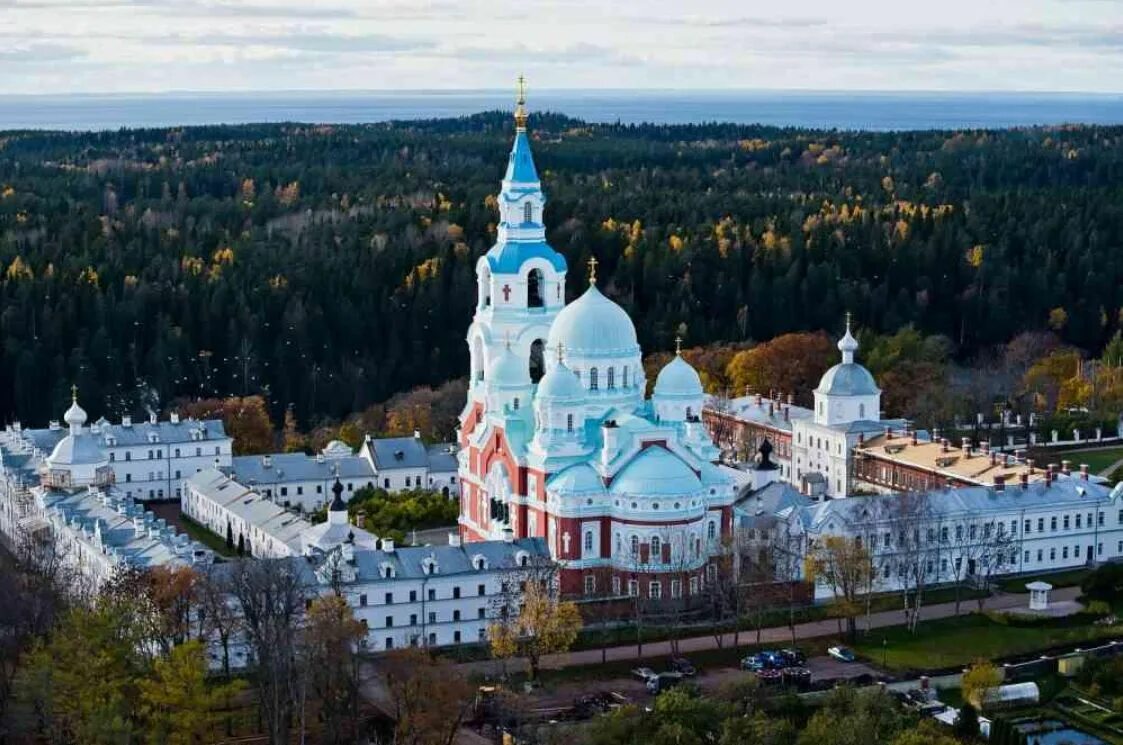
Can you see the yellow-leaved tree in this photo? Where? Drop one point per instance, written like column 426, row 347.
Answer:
column 177, row 703
column 544, row 625
column 979, row 678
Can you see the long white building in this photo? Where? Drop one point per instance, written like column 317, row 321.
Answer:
column 943, row 535
column 149, row 459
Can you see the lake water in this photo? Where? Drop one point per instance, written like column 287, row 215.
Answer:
column 820, row 110
column 1056, row 733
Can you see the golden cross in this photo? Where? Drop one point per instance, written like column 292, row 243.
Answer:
column 592, row 270
column 74, row 393
column 521, row 88
column 847, row 320
column 678, row 345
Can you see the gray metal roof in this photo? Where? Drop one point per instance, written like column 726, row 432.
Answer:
column 289, row 467
column 135, row 434
column 398, row 452
column 848, row 379
column 441, row 460
column 250, row 506
column 408, row 562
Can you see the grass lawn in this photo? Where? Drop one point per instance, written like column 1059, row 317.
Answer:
column 1063, row 578
column 951, row 642
column 1097, row 460
column 198, row 533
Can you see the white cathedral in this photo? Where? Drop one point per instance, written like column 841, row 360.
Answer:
column 557, row 438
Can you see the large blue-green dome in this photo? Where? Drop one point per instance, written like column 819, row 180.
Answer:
column 679, row 379
column 592, row 325
column 656, row 472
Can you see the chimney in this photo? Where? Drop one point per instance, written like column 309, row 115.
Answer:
column 771, row 408
column 985, row 446
column 791, row 399
column 152, row 417
column 1024, row 478
column 787, row 412
column 759, row 400
column 174, row 417
column 1049, row 475
column 454, row 540
column 861, row 439
column 360, row 518
column 914, row 437
column 388, row 545
column 508, row 535
column 1029, row 464
column 417, row 434
column 944, row 445
column 126, row 420
column 1066, row 467
column 993, row 457
column 935, row 434
column 999, row 483
column 1084, row 471
column 888, row 433
column 267, row 461
column 966, row 447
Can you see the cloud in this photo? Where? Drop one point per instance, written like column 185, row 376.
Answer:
column 322, row 42
column 227, row 8
column 40, row 53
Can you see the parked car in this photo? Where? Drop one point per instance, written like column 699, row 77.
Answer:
column 793, row 657
column 762, row 661
column 664, row 682
column 798, row 677
column 842, row 654
column 682, row 665
column 643, row 673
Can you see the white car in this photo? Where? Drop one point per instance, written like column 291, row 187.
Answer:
column 842, row 654
column 644, row 673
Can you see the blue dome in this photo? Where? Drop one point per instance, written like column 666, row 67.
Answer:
column 848, row 379
column 656, row 472
column 577, row 479
column 560, row 384
column 508, row 371
column 593, row 325
column 679, row 379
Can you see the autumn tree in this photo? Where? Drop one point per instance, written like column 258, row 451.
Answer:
column 429, row 697
column 842, row 564
column 979, row 678
column 329, row 641
column 246, row 419
column 791, row 363
column 177, row 704
column 542, row 625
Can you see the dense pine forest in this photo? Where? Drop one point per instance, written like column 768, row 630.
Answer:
column 330, row 267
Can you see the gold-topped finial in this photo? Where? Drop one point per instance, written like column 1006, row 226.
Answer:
column 520, row 104
column 74, row 394
column 593, row 270
column 678, row 345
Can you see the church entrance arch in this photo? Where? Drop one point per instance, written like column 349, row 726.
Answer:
column 537, row 360
column 534, row 289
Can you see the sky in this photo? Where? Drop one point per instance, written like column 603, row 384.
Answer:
column 118, row 46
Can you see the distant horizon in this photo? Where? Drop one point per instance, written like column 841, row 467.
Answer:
column 819, row 110
column 825, row 92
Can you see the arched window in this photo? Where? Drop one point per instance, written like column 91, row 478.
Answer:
column 635, row 545
column 537, row 360
column 588, row 540
column 689, row 413
column 625, row 376
column 711, row 531
column 569, row 422
column 611, row 378
column 534, row 295
column 656, row 547
column 528, row 212
column 515, row 404
column 592, row 379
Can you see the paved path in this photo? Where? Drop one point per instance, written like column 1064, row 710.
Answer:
column 1111, row 469
column 773, row 635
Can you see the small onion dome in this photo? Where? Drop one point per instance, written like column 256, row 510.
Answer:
column 679, row 379
column 75, row 416
column 560, row 384
column 656, row 472
column 508, row 371
column 337, row 503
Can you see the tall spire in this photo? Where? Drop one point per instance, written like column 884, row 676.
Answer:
column 848, row 345
column 520, row 105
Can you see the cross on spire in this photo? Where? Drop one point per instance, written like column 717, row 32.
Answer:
column 74, row 393
column 848, row 320
column 520, row 104
column 593, row 270
column 678, row 345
